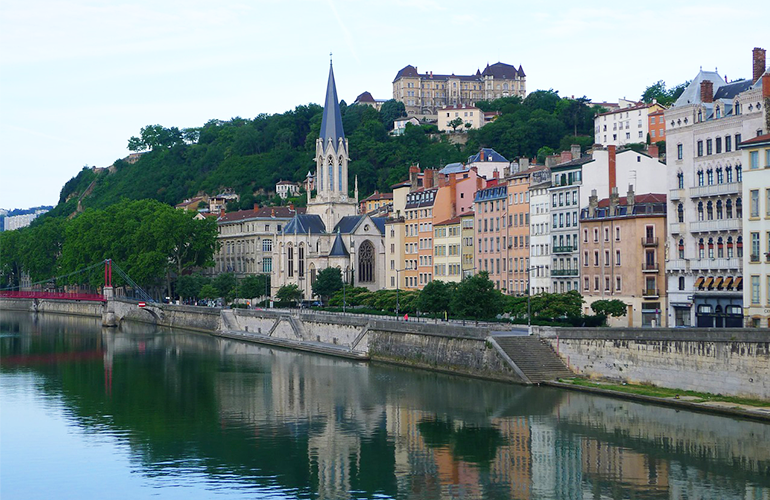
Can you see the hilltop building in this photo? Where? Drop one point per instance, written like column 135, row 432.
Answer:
column 626, row 125
column 425, row 94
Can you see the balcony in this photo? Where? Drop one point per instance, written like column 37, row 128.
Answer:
column 650, row 267
column 564, row 249
column 707, row 226
column 715, row 190
column 678, row 265
column 676, row 194
column 649, row 242
column 716, row 264
column 650, row 293
column 676, row 228
column 564, row 272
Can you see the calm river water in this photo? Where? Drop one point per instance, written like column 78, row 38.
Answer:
column 87, row 412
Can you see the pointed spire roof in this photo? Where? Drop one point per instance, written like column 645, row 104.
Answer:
column 331, row 124
column 338, row 248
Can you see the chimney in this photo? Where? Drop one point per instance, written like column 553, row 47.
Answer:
column 593, row 202
column 611, row 164
column 706, row 91
column 496, row 174
column 523, row 163
column 551, row 160
column 653, row 151
column 565, row 157
column 256, row 206
column 414, row 170
column 766, row 87
column 614, row 200
column 758, row 60
column 427, row 179
column 630, row 199
column 575, row 149
column 291, row 206
column 442, row 180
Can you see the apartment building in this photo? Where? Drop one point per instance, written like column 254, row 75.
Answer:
column 564, row 192
column 395, row 234
column 756, row 228
column 622, row 245
column 491, row 249
column 657, row 126
column 705, row 208
column 447, row 250
column 470, row 117
column 540, row 230
column 626, row 125
column 518, row 233
column 418, row 238
column 467, row 249
column 424, row 94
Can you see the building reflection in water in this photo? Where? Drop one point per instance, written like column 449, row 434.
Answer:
column 365, row 430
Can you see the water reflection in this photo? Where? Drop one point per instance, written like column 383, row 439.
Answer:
column 211, row 414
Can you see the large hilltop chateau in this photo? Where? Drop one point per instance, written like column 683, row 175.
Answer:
column 423, row 94
column 331, row 233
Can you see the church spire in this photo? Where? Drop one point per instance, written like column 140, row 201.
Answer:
column 331, row 124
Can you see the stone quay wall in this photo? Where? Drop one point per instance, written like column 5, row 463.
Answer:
column 69, row 307
column 731, row 362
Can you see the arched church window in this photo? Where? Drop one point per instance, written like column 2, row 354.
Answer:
column 290, row 261
column 366, row 262
column 301, row 259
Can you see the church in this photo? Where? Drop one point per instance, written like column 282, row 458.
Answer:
column 331, row 233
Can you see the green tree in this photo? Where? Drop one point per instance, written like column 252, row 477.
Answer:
column 662, row 95
column 557, row 305
column 254, row 286
column 224, row 283
column 189, row 286
column 209, row 292
column 289, row 293
column 11, row 257
column 455, row 123
column 390, row 111
column 476, row 297
column 615, row 308
column 327, row 282
column 435, row 297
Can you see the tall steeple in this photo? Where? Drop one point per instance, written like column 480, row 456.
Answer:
column 332, row 201
column 331, row 124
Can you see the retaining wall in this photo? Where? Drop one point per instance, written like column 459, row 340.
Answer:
column 733, row 361
column 69, row 307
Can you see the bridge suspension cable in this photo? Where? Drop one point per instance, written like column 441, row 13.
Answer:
column 140, row 291
column 55, row 278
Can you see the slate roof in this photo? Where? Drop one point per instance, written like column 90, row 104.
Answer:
column 347, row 224
column 491, row 193
column 379, row 223
column 732, row 89
column 408, row 70
column 338, row 248
column 365, row 97
column 760, row 139
column 331, row 123
column 487, row 154
column 573, row 163
column 691, row 94
column 261, row 213
column 305, row 224
column 502, row 70
column 453, row 168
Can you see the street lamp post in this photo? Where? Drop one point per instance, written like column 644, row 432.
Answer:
column 398, row 285
column 529, row 295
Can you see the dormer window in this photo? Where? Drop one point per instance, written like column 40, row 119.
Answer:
column 737, row 108
column 718, row 112
column 700, row 116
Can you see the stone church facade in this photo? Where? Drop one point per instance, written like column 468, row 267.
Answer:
column 331, row 233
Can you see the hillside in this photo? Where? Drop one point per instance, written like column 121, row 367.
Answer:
column 250, row 155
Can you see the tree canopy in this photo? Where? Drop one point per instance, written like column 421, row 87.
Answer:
column 658, row 92
column 327, row 282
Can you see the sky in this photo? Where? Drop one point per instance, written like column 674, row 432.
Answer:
column 79, row 78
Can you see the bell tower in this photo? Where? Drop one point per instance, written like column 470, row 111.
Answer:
column 332, row 201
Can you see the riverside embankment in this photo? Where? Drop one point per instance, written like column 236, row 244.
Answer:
column 732, row 362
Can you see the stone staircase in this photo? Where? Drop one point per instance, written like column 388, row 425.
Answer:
column 534, row 358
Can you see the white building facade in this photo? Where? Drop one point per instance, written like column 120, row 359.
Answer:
column 540, row 235
column 626, row 125
column 705, row 250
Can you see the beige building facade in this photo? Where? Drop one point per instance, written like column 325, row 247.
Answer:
column 623, row 256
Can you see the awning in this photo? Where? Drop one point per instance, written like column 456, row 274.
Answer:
column 738, row 282
column 728, row 282
column 699, row 282
column 718, row 283
column 708, row 283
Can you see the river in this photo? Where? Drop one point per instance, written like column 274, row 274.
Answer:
column 141, row 412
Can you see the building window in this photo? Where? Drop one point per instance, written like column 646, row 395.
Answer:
column 709, row 147
column 700, row 147
column 680, row 212
column 680, row 180
column 753, row 160
column 679, row 152
column 617, row 283
column 617, row 257
column 267, row 265
column 267, row 246
column 755, row 289
column 728, row 143
column 718, row 142
column 681, row 283
column 681, row 249
column 754, row 256
column 366, row 262
column 290, row 261
column 754, row 203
